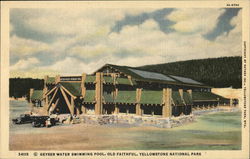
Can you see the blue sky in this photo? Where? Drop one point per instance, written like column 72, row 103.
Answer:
column 71, row 41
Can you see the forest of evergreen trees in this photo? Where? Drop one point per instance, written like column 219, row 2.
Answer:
column 19, row 87
column 215, row 72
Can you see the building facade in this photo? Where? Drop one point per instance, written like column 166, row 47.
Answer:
column 116, row 89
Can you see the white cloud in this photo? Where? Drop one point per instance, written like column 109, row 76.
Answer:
column 85, row 35
column 59, row 25
column 72, row 30
column 90, row 51
column 80, row 22
column 145, row 38
column 22, row 47
column 73, row 66
column 231, row 43
column 148, row 39
column 139, row 61
column 195, row 20
column 237, row 23
column 25, row 64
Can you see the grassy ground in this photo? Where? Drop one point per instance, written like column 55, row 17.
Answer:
column 217, row 131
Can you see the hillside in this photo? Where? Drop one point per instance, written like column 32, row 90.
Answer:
column 215, row 72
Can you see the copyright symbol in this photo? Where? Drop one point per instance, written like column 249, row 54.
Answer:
column 35, row 153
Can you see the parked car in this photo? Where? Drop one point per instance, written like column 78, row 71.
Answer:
column 23, row 118
column 42, row 121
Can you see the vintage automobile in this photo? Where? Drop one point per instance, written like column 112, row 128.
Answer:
column 23, row 118
column 42, row 121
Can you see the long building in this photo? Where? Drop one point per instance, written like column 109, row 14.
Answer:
column 116, row 89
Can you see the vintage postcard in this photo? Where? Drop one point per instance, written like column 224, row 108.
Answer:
column 137, row 79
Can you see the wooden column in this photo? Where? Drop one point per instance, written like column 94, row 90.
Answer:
column 130, row 80
column 181, row 93
column 57, row 79
column 31, row 93
column 46, row 104
column 72, row 103
column 190, row 93
column 182, row 99
column 113, row 75
column 231, row 101
column 83, row 92
column 45, row 90
column 142, row 112
column 115, row 92
column 138, row 109
column 54, row 105
column 116, row 109
column 218, row 103
column 98, row 93
column 77, row 111
column 45, row 80
column 83, row 85
column 153, row 112
column 138, row 99
column 67, row 101
column 51, row 100
column 84, row 111
column 167, row 108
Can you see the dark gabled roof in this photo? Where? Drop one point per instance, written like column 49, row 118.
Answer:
column 73, row 87
column 152, row 75
column 185, row 80
column 141, row 75
column 123, row 69
column 37, row 95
